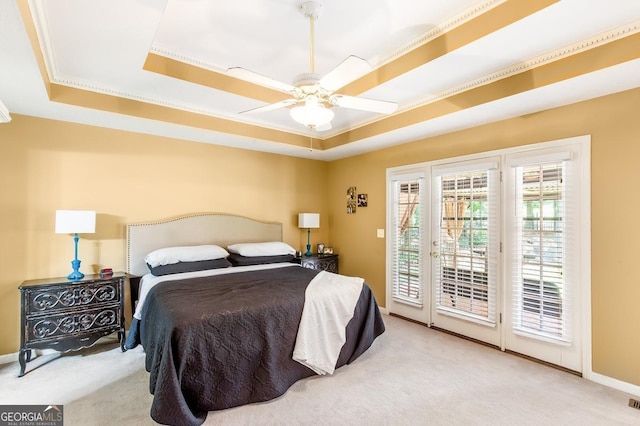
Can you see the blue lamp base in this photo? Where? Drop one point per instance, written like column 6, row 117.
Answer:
column 308, row 253
column 76, row 275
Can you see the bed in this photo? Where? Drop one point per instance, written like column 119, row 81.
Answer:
column 228, row 336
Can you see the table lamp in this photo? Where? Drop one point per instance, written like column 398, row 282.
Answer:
column 308, row 220
column 75, row 222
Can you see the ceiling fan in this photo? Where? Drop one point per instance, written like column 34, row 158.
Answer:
column 313, row 97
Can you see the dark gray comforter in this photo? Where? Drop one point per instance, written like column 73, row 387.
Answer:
column 218, row 342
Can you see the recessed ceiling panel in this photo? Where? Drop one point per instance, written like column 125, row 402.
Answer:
column 438, row 60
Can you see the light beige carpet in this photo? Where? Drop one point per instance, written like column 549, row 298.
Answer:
column 411, row 376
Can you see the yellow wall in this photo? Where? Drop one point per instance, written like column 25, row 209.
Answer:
column 614, row 126
column 47, row 165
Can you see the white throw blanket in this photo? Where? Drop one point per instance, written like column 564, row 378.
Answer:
column 330, row 300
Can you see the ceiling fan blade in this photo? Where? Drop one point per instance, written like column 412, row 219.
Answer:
column 363, row 104
column 348, row 70
column 270, row 107
column 260, row 79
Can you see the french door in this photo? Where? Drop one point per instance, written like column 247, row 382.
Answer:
column 406, row 223
column 546, row 231
column 465, row 247
column 496, row 248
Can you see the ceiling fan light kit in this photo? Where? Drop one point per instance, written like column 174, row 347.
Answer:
column 312, row 114
column 312, row 97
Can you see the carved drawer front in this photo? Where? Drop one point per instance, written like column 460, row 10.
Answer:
column 71, row 323
column 309, row 265
column 53, row 299
column 327, row 265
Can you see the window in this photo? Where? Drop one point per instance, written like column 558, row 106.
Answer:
column 539, row 293
column 466, row 238
column 407, row 240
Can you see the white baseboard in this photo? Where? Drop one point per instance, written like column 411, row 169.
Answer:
column 383, row 310
column 615, row 383
column 8, row 358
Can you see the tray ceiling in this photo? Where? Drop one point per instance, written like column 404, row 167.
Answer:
column 161, row 66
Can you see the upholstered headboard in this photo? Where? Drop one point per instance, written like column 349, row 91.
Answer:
column 194, row 229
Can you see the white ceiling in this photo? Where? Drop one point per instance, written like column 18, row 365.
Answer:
column 101, row 46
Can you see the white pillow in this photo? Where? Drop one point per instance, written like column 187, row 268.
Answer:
column 171, row 255
column 274, row 248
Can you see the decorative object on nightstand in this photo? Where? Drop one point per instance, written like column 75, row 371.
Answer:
column 75, row 222
column 309, row 220
column 106, row 272
column 65, row 315
column 326, row 262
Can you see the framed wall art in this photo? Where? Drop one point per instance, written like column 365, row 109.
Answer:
column 351, row 200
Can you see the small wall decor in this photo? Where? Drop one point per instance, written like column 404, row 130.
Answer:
column 320, row 248
column 351, row 200
column 362, row 200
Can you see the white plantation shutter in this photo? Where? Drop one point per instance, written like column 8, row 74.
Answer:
column 497, row 248
column 407, row 229
column 466, row 269
column 543, row 266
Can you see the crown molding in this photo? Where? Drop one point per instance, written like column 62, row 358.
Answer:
column 186, row 59
column 4, row 114
column 456, row 21
column 538, row 61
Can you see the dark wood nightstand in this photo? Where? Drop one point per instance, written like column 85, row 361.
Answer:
column 66, row 315
column 328, row 262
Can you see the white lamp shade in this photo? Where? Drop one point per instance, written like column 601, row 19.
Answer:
column 75, row 221
column 308, row 220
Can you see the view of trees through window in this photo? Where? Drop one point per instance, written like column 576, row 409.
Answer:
column 464, row 243
column 462, row 270
column 542, row 236
column 407, row 271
